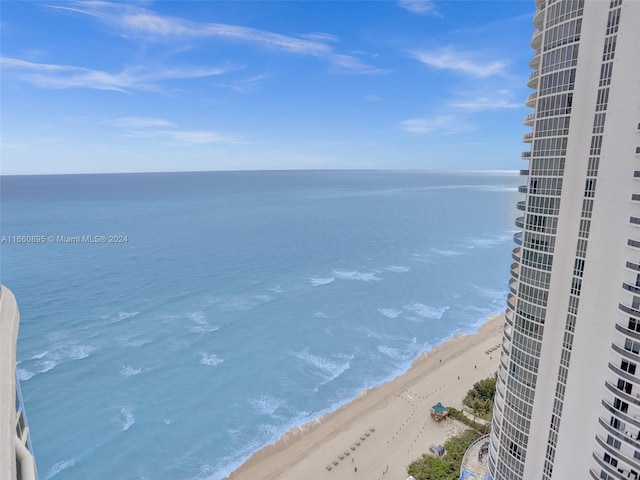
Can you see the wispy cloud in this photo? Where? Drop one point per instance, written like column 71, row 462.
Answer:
column 484, row 103
column 139, row 122
column 244, row 85
column 149, row 127
column 135, row 78
column 420, row 7
column 137, row 22
column 444, row 124
column 450, row 59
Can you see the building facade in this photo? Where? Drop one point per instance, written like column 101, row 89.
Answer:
column 16, row 457
column 568, row 394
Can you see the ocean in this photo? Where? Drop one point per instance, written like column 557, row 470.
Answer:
column 174, row 323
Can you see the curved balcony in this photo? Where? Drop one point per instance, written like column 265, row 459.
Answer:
column 532, row 82
column 623, row 395
column 633, row 266
column 623, row 374
column 526, row 155
column 535, row 61
column 521, row 205
column 530, row 118
column 517, row 239
column 631, row 288
column 627, row 332
column 633, row 243
column 474, row 462
column 522, row 189
column 536, row 38
column 515, row 254
column 520, row 222
column 512, row 286
column 630, row 310
column 508, row 318
column 625, row 417
column 524, row 172
column 538, row 16
column 618, row 434
column 625, row 353
column 531, row 100
column 515, row 270
column 619, row 454
column 634, row 221
column 527, row 137
column 511, row 301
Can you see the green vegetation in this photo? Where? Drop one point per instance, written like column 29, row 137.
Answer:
column 480, row 401
column 446, row 467
column 480, row 398
column 461, row 417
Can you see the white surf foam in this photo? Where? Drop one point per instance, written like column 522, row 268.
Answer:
column 45, row 365
column 202, row 324
column 38, row 356
column 390, row 312
column 129, row 371
column 328, row 369
column 321, row 315
column 210, row 359
column 318, row 281
column 397, row 269
column 426, row 311
column 446, row 253
column 60, row 466
column 355, row 275
column 78, row 352
column 266, row 404
column 125, row 419
column 24, row 374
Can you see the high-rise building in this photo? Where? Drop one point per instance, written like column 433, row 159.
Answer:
column 568, row 394
column 16, row 458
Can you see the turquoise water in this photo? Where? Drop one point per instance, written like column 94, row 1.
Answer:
column 233, row 306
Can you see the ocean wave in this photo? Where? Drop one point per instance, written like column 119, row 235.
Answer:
column 489, row 242
column 238, row 303
column 125, row 419
column 24, row 374
column 426, row 311
column 321, row 315
column 128, row 342
column 494, row 295
column 391, row 352
column 210, row 359
column 128, row 371
column 317, row 281
column 446, row 253
column 266, row 404
column 202, row 324
column 390, row 312
column 397, row 269
column 326, row 368
column 78, row 352
column 354, row 275
column 46, row 365
column 60, row 466
column 40, row 355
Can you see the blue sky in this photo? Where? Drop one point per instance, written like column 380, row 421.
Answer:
column 185, row 86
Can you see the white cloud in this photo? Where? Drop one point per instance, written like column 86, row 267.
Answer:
column 446, row 124
column 191, row 137
column 498, row 101
column 134, row 21
column 449, row 59
column 134, row 78
column 140, row 122
column 421, row 7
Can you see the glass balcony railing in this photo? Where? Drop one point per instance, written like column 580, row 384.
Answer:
column 521, row 205
column 531, row 99
column 519, row 222
column 530, row 118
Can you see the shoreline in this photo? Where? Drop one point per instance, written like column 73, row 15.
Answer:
column 397, row 411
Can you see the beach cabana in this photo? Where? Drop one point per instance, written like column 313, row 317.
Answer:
column 439, row 412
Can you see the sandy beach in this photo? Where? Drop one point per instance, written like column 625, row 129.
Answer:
column 381, row 431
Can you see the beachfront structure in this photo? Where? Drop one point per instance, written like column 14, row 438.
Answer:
column 568, row 392
column 16, row 460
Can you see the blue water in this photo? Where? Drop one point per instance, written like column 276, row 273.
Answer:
column 240, row 305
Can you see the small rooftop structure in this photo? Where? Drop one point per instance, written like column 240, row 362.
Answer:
column 439, row 412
